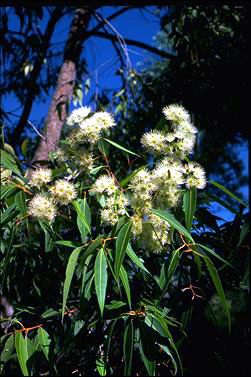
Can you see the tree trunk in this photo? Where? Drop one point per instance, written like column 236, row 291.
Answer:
column 65, row 85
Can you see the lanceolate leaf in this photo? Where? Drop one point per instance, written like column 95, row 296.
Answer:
column 8, row 349
column 227, row 191
column 127, row 179
column 121, row 148
column 121, row 246
column 214, row 254
column 69, row 243
column 100, row 278
column 218, row 285
column 244, row 232
column 165, row 215
column 189, row 205
column 131, row 254
column 150, row 365
column 69, row 274
column 44, row 340
column 125, row 282
column 8, row 161
column 84, row 217
column 128, row 347
column 20, row 200
column 173, row 264
column 21, row 345
column 223, row 203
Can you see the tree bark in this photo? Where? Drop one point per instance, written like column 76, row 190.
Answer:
column 65, row 84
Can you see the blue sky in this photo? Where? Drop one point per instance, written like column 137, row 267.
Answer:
column 101, row 58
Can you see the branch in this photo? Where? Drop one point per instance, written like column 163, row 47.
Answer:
column 132, row 42
column 111, row 17
column 35, row 73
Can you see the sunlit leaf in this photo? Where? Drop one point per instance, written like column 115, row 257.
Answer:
column 189, row 205
column 120, row 147
column 131, row 254
column 121, row 246
column 21, row 345
column 124, row 278
column 68, row 275
column 165, row 215
column 44, row 340
column 100, row 278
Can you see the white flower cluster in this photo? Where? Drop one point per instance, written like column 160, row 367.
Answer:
column 78, row 116
column 44, row 206
column 179, row 141
column 90, row 127
column 104, row 184
column 5, row 174
column 63, row 192
column 116, row 202
column 196, row 176
column 40, row 177
column 161, row 188
column 115, row 206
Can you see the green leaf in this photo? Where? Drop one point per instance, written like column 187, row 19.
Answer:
column 20, row 200
column 161, row 280
column 94, row 171
column 87, row 86
column 218, row 286
column 165, row 215
column 100, row 364
column 115, row 304
column 69, row 274
column 128, row 345
column 173, row 264
column 49, row 243
column 121, row 246
column 227, row 192
column 21, row 345
column 100, row 278
column 189, row 205
column 8, row 349
column 125, row 282
column 131, row 254
column 5, row 192
column 150, row 365
column 44, row 340
column 49, row 313
column 158, row 323
column 127, row 179
column 68, row 243
column 214, row 254
column 8, row 161
column 120, row 147
column 78, row 326
column 83, row 218
column 8, row 214
column 86, row 274
column 24, row 147
column 223, row 203
column 244, row 232
column 168, row 352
